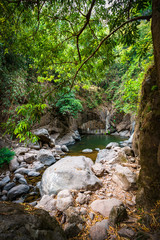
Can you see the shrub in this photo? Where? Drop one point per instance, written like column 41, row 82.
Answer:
column 6, row 155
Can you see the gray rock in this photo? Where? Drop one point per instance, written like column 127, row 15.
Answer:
column 87, row 150
column 126, row 232
column 104, row 207
column 98, row 169
column 4, row 181
column 125, row 133
column 4, row 198
column 18, row 175
column 38, row 166
column 17, row 191
column 22, row 180
column 48, row 203
column 8, row 186
column 124, row 177
column 73, row 215
column 43, row 135
column 64, row 200
column 14, row 164
column 69, row 173
column 20, row 159
column 29, row 158
column 16, row 222
column 64, row 148
column 83, row 198
column 22, row 170
column 33, row 174
column 99, row 230
column 117, row 215
column 112, row 145
column 72, row 230
column 21, row 151
column 46, row 157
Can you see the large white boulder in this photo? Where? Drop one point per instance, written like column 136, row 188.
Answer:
column 69, row 173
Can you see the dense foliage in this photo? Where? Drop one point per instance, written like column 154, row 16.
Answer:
column 51, row 50
column 6, row 155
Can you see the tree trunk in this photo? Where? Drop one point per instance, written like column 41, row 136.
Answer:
column 149, row 124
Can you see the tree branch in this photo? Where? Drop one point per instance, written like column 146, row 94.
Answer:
column 105, row 38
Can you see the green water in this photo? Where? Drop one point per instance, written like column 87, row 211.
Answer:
column 92, row 142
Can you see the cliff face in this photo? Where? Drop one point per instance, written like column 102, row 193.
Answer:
column 147, row 141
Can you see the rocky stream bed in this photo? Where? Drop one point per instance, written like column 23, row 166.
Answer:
column 89, row 200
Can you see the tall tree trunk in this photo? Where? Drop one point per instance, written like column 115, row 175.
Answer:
column 149, row 123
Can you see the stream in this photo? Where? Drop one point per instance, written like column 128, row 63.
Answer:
column 92, row 142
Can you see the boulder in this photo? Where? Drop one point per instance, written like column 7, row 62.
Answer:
column 14, row 164
column 64, row 200
column 99, row 230
column 69, row 173
column 124, row 177
column 27, row 223
column 98, row 169
column 17, row 191
column 46, row 157
column 104, row 207
column 43, row 135
column 112, row 145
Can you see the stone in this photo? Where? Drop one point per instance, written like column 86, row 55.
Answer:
column 43, row 135
column 117, row 215
column 33, row 174
column 64, row 200
column 14, row 164
column 18, row 175
column 106, row 155
column 91, row 215
column 98, row 169
column 8, row 186
column 22, row 180
column 124, row 177
column 17, row 191
column 21, row 151
column 38, row 166
column 48, row 203
column 22, row 170
column 29, row 158
column 20, row 159
column 52, row 142
column 46, row 157
column 125, row 133
column 126, row 232
column 83, row 198
column 104, row 207
column 128, row 151
column 69, row 173
column 112, row 145
column 4, row 181
column 83, row 211
column 87, row 150
column 71, row 230
column 73, row 215
column 19, row 222
column 99, row 230
column 64, row 148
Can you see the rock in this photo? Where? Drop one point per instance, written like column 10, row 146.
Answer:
column 76, row 135
column 43, row 135
column 18, row 175
column 33, row 174
column 83, row 198
column 64, row 148
column 27, row 223
column 87, row 150
column 4, row 181
column 64, row 200
column 128, row 151
column 22, row 170
column 35, row 146
column 52, row 142
column 109, row 156
column 29, row 158
column 125, row 133
column 99, row 230
column 124, row 177
column 91, row 215
column 21, row 151
column 17, row 191
column 38, row 166
column 72, row 230
column 98, row 169
column 48, row 203
column 22, row 180
column 126, row 232
column 112, row 145
column 46, row 157
column 117, row 215
column 97, row 149
column 104, row 207
column 20, row 159
column 83, row 211
column 8, row 186
column 14, row 164
column 69, row 173
column 73, row 215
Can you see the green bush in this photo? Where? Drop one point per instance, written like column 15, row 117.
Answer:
column 6, row 155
